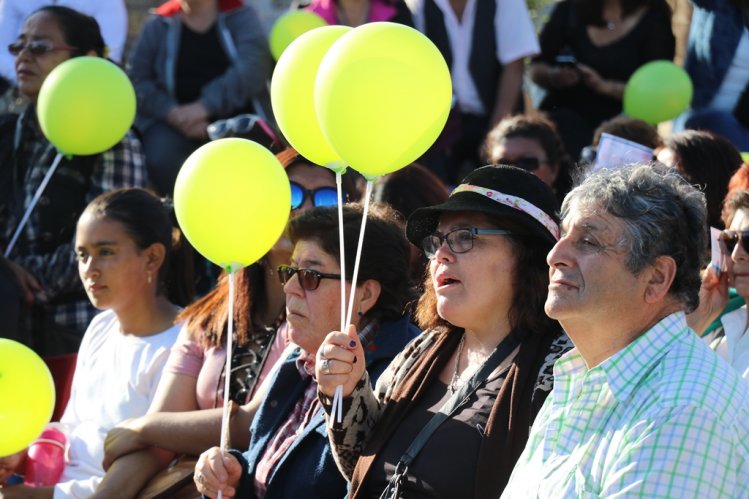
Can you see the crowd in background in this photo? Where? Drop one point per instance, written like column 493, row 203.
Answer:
column 101, row 269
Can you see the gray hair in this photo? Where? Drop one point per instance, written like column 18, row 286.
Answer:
column 663, row 215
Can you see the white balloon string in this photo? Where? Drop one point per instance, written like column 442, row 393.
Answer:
column 341, row 249
column 32, row 204
column 227, row 373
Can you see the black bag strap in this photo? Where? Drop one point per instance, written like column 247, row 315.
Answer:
column 448, row 408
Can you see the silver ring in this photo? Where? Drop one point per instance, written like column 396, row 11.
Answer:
column 325, row 366
column 199, row 478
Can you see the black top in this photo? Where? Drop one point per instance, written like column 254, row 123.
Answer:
column 201, row 58
column 565, row 33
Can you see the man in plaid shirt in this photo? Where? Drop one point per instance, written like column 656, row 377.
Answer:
column 42, row 265
column 641, row 407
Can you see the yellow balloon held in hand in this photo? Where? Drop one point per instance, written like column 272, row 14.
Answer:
column 292, row 93
column 232, row 199
column 86, row 105
column 382, row 96
column 27, row 396
column 289, row 27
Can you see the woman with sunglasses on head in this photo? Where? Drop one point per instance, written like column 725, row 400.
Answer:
column 485, row 358
column 530, row 142
column 194, row 376
column 289, row 454
column 135, row 269
column 729, row 340
column 40, row 272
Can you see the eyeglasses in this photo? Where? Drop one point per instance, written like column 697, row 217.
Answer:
column 309, row 279
column 729, row 238
column 458, row 240
column 527, row 163
column 322, row 196
column 36, row 47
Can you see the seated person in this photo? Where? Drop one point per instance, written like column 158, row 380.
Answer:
column 195, row 61
column 289, row 454
column 38, row 284
column 124, row 245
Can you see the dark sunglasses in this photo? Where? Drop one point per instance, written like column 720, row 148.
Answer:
column 729, row 238
column 527, row 163
column 309, row 279
column 322, row 196
column 36, row 47
column 458, row 240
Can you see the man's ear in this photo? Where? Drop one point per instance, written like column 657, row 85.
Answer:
column 660, row 275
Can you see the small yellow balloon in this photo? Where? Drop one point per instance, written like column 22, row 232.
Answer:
column 27, row 396
column 292, row 94
column 232, row 198
column 289, row 27
column 86, row 105
column 382, row 96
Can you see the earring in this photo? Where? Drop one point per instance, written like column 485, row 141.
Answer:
column 150, row 280
column 360, row 313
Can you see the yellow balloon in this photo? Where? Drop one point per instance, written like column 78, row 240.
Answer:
column 27, row 396
column 289, row 26
column 86, row 105
column 292, row 94
column 382, row 96
column 232, row 199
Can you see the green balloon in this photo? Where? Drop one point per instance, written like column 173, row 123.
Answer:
column 658, row 91
column 27, row 396
column 289, row 26
column 86, row 105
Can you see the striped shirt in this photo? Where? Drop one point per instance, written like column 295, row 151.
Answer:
column 663, row 417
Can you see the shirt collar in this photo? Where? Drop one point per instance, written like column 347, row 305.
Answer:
column 734, row 324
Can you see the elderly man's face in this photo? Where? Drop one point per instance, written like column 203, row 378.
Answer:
column 588, row 280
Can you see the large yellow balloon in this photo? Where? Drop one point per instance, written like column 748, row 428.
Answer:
column 382, row 96
column 292, row 94
column 86, row 105
column 232, row 199
column 289, row 26
column 27, row 396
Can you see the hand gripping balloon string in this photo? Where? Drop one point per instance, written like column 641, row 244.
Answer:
column 32, row 204
column 337, row 409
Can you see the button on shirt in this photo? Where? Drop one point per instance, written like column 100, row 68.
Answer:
column 664, row 417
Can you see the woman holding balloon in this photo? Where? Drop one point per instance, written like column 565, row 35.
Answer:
column 485, row 358
column 289, row 454
column 194, row 376
column 133, row 267
column 39, row 262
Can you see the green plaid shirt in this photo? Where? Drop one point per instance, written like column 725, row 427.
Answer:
column 664, row 417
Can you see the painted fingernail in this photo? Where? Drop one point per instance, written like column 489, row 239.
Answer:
column 354, row 359
column 352, row 343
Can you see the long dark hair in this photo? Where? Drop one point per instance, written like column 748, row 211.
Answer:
column 80, row 31
column 148, row 220
column 591, row 11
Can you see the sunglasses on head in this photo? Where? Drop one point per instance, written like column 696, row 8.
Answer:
column 36, row 47
column 527, row 163
column 322, row 196
column 309, row 279
column 729, row 238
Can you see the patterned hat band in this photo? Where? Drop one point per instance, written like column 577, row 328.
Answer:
column 516, row 203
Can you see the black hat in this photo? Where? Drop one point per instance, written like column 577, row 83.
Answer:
column 504, row 192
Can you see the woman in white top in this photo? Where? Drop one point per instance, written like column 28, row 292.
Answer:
column 123, row 244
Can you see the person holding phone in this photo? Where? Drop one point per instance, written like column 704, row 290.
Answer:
column 589, row 49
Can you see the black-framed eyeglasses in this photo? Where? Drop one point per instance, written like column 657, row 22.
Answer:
column 527, row 163
column 729, row 238
column 309, row 279
column 322, row 196
column 458, row 240
column 37, row 47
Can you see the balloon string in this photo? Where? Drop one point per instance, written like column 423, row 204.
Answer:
column 32, row 204
column 227, row 374
column 336, row 411
column 341, row 249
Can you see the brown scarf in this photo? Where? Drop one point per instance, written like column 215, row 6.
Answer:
column 506, row 429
